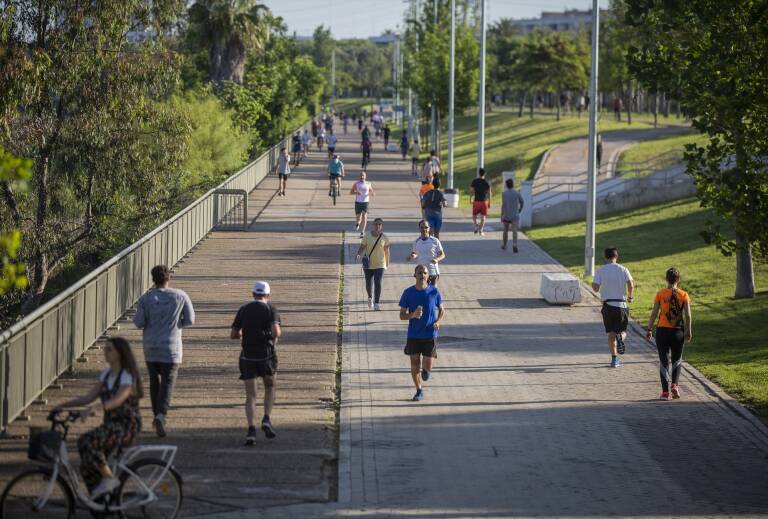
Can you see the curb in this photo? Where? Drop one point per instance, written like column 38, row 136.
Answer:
column 344, row 475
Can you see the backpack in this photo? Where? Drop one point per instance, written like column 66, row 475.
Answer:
column 675, row 313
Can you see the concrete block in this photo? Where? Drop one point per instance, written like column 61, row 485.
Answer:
column 452, row 199
column 560, row 288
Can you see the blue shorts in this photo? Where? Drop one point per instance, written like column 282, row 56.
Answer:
column 435, row 220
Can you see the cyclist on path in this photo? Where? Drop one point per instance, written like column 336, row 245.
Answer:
column 335, row 174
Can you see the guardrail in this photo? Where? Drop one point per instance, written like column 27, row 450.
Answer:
column 42, row 345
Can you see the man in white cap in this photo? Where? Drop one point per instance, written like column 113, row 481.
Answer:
column 257, row 324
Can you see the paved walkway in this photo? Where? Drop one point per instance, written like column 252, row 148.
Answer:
column 523, row 417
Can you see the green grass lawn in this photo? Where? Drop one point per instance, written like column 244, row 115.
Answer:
column 730, row 344
column 352, row 104
column 645, row 151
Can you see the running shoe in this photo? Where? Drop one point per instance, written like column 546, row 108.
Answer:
column 620, row 346
column 105, row 486
column 425, row 374
column 370, row 303
column 514, row 249
column 675, row 391
column 615, row 362
column 503, row 247
column 159, row 424
column 475, row 229
column 664, row 395
column 482, row 233
column 250, row 437
column 269, row 432
column 377, row 307
column 419, row 395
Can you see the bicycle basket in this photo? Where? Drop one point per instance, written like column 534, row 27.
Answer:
column 44, row 446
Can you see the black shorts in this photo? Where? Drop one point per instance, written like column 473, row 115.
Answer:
column 432, row 280
column 283, row 175
column 250, row 369
column 361, row 207
column 331, row 150
column 615, row 319
column 425, row 347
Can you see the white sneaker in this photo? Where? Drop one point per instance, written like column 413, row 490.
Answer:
column 377, row 307
column 105, row 486
column 370, row 303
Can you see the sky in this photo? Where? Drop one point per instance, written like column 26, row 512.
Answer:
column 363, row 18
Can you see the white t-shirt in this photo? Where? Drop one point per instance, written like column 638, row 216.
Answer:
column 126, row 379
column 426, row 250
column 363, row 191
column 613, row 279
column 331, row 139
column 305, row 138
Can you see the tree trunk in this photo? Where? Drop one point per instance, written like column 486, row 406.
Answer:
column 227, row 61
column 557, row 104
column 656, row 110
column 628, row 104
column 38, row 278
column 745, row 274
column 522, row 104
column 533, row 101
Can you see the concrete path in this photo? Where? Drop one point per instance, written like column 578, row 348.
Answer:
column 567, row 163
column 523, row 417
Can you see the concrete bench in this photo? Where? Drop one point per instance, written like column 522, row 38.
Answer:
column 560, row 288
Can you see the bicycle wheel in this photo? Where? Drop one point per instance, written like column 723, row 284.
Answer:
column 166, row 487
column 21, row 498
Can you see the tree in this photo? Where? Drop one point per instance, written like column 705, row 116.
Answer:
column 563, row 64
column 229, row 29
column 83, row 103
column 322, row 47
column 711, row 55
column 14, row 173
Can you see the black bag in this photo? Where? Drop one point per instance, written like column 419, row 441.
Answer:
column 366, row 260
column 44, row 446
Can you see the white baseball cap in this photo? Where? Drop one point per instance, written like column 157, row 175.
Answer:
column 261, row 288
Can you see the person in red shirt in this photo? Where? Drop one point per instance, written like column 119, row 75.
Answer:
column 672, row 306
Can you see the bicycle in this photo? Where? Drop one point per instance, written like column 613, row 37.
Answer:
column 149, row 486
column 335, row 181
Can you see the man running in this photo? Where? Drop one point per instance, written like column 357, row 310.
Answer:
column 386, row 132
column 612, row 280
column 366, row 133
column 432, row 203
column 422, row 306
column 432, row 165
column 283, row 169
column 480, row 192
column 331, row 140
column 306, row 138
column 365, row 148
column 320, row 138
column 429, row 252
column 404, row 145
column 296, row 148
column 511, row 206
column 415, row 153
column 335, row 173
column 257, row 325
column 363, row 191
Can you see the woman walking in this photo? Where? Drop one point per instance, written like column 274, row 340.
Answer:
column 118, row 390
column 672, row 306
column 375, row 245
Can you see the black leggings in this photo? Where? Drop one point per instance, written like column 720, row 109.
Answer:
column 374, row 275
column 669, row 342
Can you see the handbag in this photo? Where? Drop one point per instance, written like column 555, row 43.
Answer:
column 366, row 260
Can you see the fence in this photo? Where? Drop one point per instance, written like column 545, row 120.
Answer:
column 232, row 204
column 37, row 349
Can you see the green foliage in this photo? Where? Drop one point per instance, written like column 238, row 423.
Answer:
column 362, row 65
column 14, row 173
column 322, row 47
column 216, row 147
column 711, row 55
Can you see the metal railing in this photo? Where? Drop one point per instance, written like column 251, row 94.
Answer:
column 232, row 205
column 42, row 345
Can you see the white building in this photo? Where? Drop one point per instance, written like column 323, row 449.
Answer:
column 571, row 20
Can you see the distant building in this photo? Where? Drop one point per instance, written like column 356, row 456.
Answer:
column 570, row 20
column 384, row 39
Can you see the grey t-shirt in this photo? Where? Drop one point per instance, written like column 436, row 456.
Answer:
column 510, row 205
column 161, row 313
column 284, row 164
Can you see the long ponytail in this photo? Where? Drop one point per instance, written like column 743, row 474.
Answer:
column 128, row 362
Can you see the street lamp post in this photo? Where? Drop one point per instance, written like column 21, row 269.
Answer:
column 589, row 246
column 433, row 113
column 451, row 95
column 481, row 96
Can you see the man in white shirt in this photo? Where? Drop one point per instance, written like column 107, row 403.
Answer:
column 429, row 252
column 616, row 286
column 363, row 190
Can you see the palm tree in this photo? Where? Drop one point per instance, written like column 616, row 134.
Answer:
column 229, row 28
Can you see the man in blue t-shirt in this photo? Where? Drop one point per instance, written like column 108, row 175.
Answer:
column 422, row 306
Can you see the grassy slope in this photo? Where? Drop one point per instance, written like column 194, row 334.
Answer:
column 730, row 344
column 647, row 150
column 351, row 104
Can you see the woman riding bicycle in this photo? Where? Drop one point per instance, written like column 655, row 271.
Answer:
column 118, row 390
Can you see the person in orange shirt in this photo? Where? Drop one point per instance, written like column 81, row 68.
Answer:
column 672, row 306
column 426, row 187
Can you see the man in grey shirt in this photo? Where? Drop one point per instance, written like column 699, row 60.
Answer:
column 161, row 313
column 511, row 206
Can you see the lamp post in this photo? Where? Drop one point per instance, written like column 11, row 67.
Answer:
column 481, row 96
column 451, row 95
column 589, row 246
